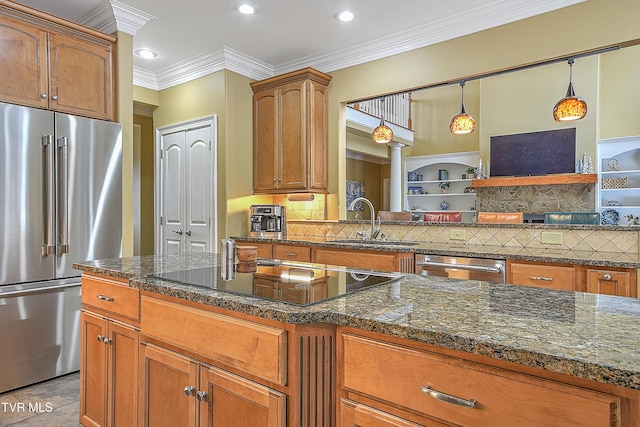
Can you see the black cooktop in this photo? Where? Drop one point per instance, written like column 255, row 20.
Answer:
column 292, row 282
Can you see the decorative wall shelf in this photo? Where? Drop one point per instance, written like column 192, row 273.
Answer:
column 514, row 181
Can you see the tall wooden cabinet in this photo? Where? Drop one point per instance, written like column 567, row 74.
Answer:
column 54, row 64
column 290, row 133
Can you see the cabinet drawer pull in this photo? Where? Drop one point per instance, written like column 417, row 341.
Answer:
column 291, row 254
column 448, row 398
column 104, row 298
column 201, row 396
column 607, row 276
column 547, row 279
column 188, row 390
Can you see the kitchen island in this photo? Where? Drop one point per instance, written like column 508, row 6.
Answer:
column 526, row 355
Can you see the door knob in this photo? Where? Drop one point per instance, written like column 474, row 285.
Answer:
column 188, row 232
column 178, row 231
column 201, row 396
column 188, row 390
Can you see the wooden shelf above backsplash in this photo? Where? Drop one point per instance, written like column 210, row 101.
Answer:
column 514, row 181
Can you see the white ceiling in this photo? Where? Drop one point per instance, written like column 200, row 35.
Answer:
column 195, row 37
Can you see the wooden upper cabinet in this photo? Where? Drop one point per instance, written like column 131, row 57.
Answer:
column 80, row 77
column 54, row 64
column 290, row 133
column 23, row 61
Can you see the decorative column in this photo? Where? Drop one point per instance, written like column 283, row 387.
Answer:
column 395, row 190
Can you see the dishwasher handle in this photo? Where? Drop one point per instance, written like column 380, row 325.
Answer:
column 482, row 268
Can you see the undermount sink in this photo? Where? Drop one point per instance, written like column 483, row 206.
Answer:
column 375, row 242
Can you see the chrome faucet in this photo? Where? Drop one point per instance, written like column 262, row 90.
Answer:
column 374, row 231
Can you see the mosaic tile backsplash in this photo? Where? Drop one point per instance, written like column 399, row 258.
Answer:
column 537, row 199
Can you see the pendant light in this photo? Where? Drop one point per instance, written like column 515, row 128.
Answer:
column 383, row 133
column 462, row 123
column 570, row 107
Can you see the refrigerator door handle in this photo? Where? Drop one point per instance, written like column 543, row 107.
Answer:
column 62, row 202
column 48, row 195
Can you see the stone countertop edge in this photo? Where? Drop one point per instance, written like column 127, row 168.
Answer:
column 589, row 336
column 561, row 256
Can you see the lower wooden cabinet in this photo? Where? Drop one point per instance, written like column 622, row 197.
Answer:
column 109, row 352
column 109, row 372
column 460, row 392
column 612, row 282
column 574, row 277
column 180, row 391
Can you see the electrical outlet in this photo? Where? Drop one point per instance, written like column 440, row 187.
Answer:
column 551, row 237
column 457, row 234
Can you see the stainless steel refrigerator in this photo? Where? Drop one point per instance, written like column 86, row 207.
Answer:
column 60, row 202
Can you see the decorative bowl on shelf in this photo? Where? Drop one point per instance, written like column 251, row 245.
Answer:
column 415, row 190
column 610, row 217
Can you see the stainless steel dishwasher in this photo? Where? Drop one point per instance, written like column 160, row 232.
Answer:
column 489, row 270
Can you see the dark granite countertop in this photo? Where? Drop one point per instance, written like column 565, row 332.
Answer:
column 590, row 336
column 563, row 256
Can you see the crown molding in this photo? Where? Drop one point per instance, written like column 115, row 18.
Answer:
column 446, row 28
column 128, row 19
column 100, row 18
column 200, row 66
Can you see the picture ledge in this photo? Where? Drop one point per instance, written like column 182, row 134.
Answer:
column 514, row 181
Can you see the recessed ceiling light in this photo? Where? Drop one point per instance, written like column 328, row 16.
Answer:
column 246, row 9
column 344, row 16
column 146, row 53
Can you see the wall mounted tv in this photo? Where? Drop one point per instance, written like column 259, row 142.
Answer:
column 534, row 153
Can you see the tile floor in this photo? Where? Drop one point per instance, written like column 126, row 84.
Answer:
column 52, row 403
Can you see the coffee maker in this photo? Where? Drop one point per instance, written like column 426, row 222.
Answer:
column 267, row 221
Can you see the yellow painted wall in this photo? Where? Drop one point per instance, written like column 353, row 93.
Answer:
column 620, row 93
column 124, row 115
column 146, row 173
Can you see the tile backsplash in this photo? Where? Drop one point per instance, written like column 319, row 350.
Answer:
column 578, row 238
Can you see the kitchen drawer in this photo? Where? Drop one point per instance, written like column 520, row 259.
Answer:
column 543, row 276
column 357, row 259
column 354, row 414
column 251, row 347
column 292, row 252
column 110, row 295
column 400, row 376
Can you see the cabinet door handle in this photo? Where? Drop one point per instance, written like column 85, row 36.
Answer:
column 201, row 396
column 106, row 340
column 104, row 298
column 101, row 338
column 189, row 389
column 607, row 276
column 54, row 97
column 43, row 95
column 547, row 279
column 448, row 398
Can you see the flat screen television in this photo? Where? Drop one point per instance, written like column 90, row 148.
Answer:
column 534, row 153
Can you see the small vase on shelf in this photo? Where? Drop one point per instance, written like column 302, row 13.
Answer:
column 444, row 205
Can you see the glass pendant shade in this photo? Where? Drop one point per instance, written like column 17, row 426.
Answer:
column 462, row 123
column 570, row 107
column 382, row 134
